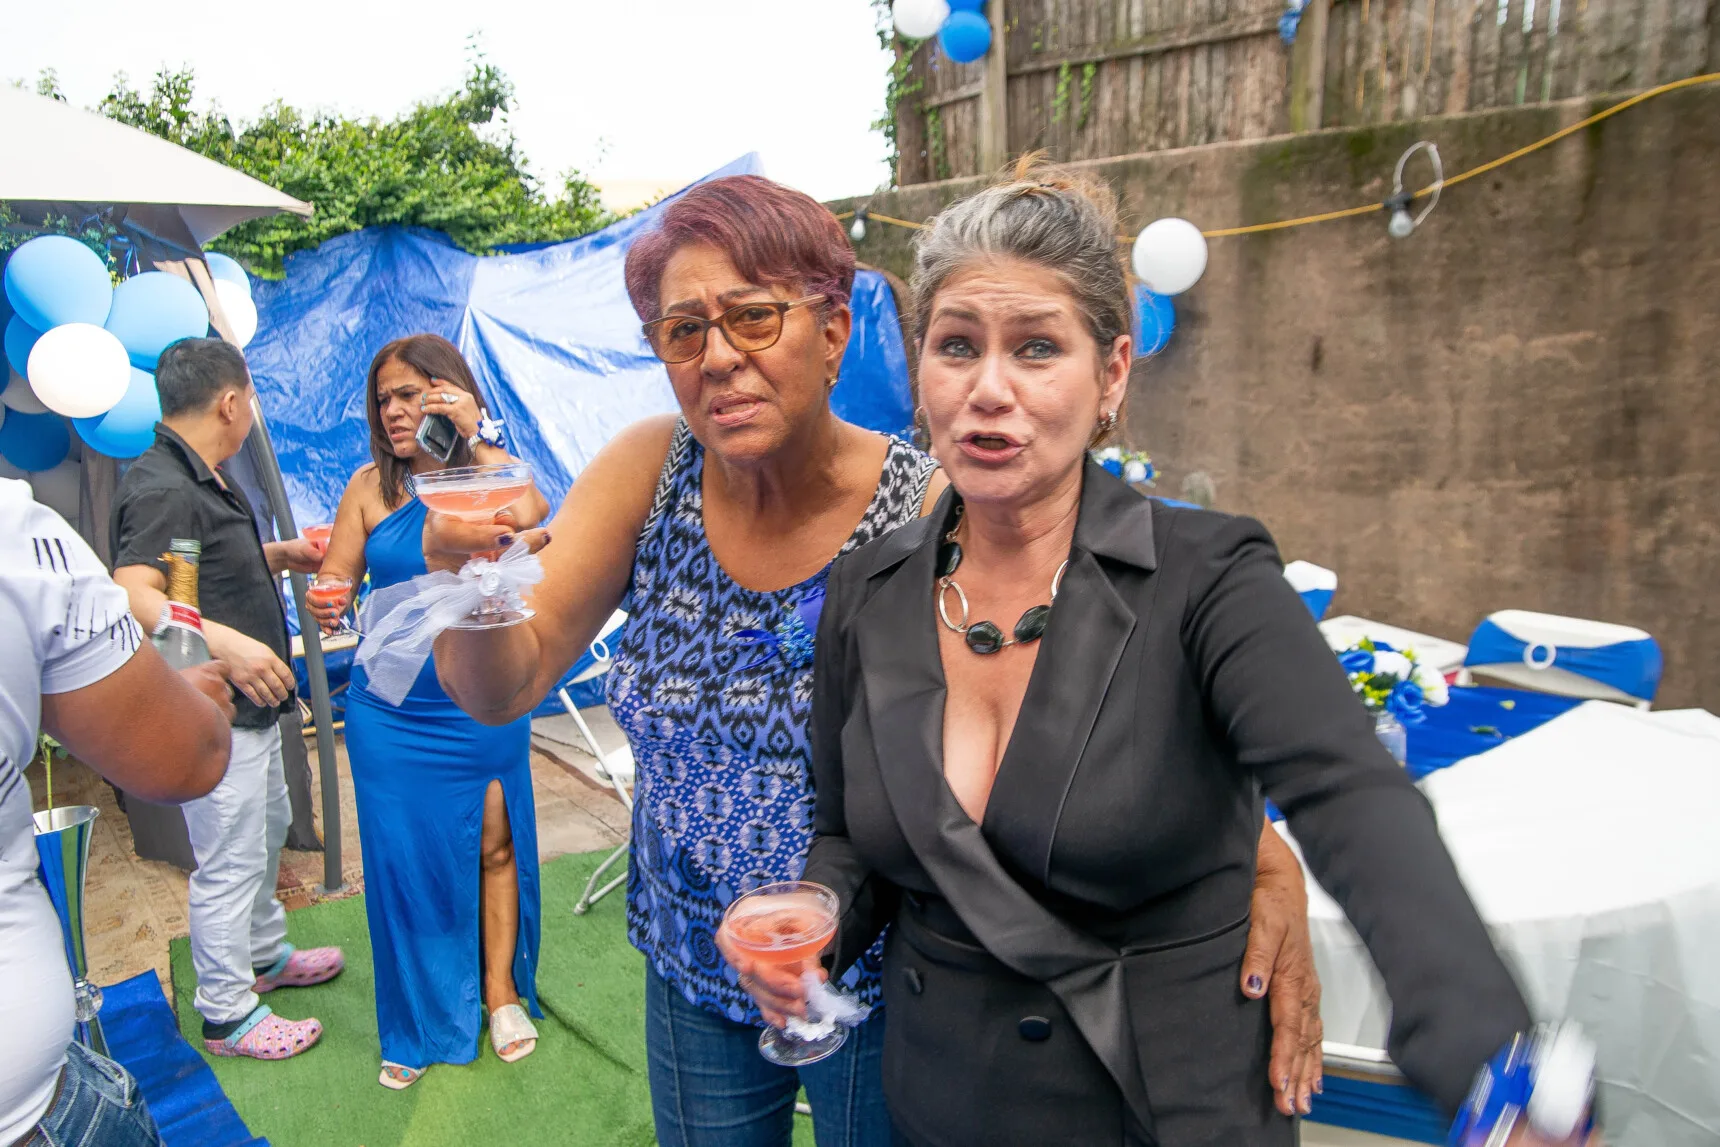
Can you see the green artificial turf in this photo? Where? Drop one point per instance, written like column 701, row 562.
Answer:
column 584, row 1086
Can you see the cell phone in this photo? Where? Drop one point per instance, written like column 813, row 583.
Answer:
column 438, row 437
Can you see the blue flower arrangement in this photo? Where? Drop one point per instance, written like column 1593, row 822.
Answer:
column 1392, row 681
column 1133, row 466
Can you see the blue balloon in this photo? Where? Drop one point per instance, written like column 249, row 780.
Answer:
column 227, row 267
column 1155, row 319
column 129, row 428
column 20, row 337
column 34, row 442
column 966, row 36
column 152, row 310
column 53, row 280
column 967, row 5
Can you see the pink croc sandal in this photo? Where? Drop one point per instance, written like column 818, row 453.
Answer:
column 300, row 968
column 264, row 1035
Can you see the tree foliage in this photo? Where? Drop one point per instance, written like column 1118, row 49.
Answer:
column 450, row 164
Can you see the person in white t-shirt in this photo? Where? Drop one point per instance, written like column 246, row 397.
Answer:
column 77, row 665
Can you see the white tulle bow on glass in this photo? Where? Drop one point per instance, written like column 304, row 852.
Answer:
column 401, row 622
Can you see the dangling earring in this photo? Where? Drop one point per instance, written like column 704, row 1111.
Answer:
column 922, row 427
column 830, row 383
column 1108, row 423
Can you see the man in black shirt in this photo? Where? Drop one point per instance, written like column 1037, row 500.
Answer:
column 178, row 490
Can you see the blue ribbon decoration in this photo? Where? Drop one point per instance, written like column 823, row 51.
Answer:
column 793, row 637
column 1631, row 667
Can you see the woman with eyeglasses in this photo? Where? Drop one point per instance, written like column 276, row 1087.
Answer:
column 1043, row 718
column 716, row 529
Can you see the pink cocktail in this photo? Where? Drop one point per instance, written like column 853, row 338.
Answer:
column 787, row 924
column 473, row 503
column 474, row 494
column 319, row 535
column 329, row 590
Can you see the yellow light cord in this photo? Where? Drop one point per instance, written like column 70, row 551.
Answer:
column 1369, row 208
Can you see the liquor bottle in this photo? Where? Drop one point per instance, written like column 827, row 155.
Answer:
column 179, row 633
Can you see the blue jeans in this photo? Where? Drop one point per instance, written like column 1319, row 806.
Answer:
column 99, row 1105
column 711, row 1088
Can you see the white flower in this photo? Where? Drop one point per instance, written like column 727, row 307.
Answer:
column 1109, row 454
column 1432, row 684
column 1134, row 472
column 1392, row 664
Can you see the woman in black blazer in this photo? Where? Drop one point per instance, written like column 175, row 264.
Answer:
column 1061, row 831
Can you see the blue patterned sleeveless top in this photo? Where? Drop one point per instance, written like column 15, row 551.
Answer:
column 712, row 684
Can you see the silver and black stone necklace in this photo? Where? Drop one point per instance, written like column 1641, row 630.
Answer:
column 984, row 636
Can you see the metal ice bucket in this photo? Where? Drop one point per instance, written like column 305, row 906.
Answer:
column 63, row 846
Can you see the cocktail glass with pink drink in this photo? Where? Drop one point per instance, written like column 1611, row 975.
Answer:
column 786, row 923
column 474, row 494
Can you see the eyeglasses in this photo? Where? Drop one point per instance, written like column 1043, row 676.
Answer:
column 748, row 327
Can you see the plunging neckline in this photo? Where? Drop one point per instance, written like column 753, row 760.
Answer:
column 984, row 820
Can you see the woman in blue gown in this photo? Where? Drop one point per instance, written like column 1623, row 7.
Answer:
column 445, row 813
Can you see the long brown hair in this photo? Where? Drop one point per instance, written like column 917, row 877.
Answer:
column 433, row 357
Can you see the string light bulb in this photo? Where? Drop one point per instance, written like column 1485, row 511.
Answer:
column 1401, row 225
column 858, row 231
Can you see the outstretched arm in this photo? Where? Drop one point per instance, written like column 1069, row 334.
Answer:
column 498, row 675
column 1367, row 832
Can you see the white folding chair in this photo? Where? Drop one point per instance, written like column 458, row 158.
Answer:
column 1566, row 656
column 615, row 767
column 1314, row 584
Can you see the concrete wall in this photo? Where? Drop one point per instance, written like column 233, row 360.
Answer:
column 1517, row 407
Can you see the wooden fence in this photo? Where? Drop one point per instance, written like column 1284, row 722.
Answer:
column 1088, row 79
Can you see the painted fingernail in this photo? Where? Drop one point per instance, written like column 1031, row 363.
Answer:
column 505, row 540
column 1255, row 983
column 1284, row 1084
column 1319, row 1087
column 546, row 537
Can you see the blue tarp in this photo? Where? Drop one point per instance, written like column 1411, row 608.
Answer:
column 549, row 333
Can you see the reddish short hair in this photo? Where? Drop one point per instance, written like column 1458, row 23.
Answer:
column 773, row 234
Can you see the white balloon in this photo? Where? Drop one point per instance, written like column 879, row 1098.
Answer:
column 240, row 310
column 918, row 19
column 1170, row 255
column 79, row 370
column 18, row 395
column 57, row 489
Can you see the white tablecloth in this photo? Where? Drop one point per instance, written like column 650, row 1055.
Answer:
column 1591, row 847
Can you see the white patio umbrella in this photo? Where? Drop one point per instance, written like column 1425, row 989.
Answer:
column 58, row 154
column 61, row 160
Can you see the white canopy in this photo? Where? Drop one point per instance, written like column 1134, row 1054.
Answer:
column 53, row 153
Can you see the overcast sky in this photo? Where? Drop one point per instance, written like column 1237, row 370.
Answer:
column 621, row 89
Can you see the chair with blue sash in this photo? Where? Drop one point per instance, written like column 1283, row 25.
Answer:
column 1567, row 656
column 1314, row 584
column 614, row 765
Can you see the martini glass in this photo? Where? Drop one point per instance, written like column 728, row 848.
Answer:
column 329, row 589
column 786, row 923
column 474, row 494
column 318, row 535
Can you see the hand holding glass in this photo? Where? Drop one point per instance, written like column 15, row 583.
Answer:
column 327, row 597
column 318, row 535
column 786, row 926
column 476, row 494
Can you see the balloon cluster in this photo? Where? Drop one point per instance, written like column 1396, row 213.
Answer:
column 79, row 348
column 960, row 26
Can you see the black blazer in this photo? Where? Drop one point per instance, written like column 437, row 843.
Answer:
column 1067, row 971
